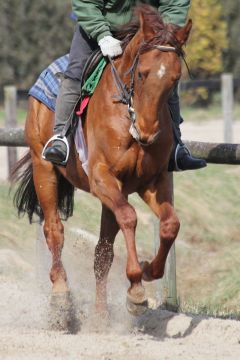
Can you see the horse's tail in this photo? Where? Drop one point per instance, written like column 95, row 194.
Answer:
column 25, row 198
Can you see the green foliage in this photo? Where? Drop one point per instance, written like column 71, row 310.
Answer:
column 208, row 38
column 32, row 35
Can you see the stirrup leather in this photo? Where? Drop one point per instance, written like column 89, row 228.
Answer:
column 59, row 138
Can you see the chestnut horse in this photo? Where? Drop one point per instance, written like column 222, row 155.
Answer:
column 121, row 160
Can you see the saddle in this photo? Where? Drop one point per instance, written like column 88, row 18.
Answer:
column 91, row 75
column 92, row 63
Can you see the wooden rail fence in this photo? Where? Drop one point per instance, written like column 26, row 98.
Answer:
column 214, row 153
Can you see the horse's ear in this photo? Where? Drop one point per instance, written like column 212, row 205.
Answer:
column 183, row 33
column 144, row 27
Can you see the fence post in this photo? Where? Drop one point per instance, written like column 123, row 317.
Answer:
column 10, row 106
column 227, row 105
column 167, row 286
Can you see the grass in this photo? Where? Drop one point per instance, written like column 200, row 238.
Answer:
column 208, row 249
column 14, row 233
column 21, row 117
column 212, row 310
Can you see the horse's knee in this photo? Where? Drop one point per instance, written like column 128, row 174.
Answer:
column 126, row 217
column 169, row 229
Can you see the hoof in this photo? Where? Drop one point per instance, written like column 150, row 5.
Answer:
column 136, row 309
column 102, row 315
column 62, row 313
column 97, row 322
column 102, row 320
column 137, row 303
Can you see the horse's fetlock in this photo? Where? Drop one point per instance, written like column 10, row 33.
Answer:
column 134, row 275
column 156, row 274
column 57, row 272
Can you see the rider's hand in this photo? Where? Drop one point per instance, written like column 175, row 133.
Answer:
column 110, row 46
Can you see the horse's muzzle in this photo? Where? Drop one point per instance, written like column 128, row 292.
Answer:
column 149, row 140
column 146, row 140
column 143, row 139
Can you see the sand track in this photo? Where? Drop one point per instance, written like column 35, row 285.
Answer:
column 159, row 334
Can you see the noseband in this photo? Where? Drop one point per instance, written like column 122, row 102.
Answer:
column 126, row 92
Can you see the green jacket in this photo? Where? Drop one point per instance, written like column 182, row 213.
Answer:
column 99, row 18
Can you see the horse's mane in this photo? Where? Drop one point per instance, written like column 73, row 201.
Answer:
column 164, row 33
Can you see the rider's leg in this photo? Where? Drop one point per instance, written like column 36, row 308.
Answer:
column 69, row 93
column 181, row 158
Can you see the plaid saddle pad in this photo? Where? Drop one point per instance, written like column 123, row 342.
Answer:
column 46, row 87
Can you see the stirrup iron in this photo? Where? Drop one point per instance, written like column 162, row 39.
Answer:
column 176, row 153
column 59, row 138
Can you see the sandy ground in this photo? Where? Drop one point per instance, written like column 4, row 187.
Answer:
column 25, row 331
column 26, row 334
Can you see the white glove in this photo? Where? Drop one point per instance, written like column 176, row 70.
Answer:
column 110, row 46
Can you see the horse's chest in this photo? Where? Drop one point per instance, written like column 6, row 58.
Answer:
column 142, row 167
column 137, row 166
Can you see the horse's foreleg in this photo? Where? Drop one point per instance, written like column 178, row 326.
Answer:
column 107, row 188
column 104, row 256
column 159, row 197
column 45, row 181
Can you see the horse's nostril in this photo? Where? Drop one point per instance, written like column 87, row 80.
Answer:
column 144, row 139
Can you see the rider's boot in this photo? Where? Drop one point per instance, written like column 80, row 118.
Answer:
column 181, row 158
column 69, row 94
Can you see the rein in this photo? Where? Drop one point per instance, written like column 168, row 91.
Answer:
column 126, row 93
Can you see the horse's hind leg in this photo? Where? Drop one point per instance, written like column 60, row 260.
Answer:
column 62, row 314
column 45, row 181
column 38, row 129
column 159, row 197
column 104, row 256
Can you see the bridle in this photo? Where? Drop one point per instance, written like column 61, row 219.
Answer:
column 126, row 93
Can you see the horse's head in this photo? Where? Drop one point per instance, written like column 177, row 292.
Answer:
column 156, row 49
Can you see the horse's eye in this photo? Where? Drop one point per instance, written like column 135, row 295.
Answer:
column 140, row 75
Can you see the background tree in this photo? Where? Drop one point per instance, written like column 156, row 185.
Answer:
column 205, row 48
column 208, row 38
column 35, row 32
column 32, row 34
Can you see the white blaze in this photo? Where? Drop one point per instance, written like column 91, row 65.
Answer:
column 162, row 71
